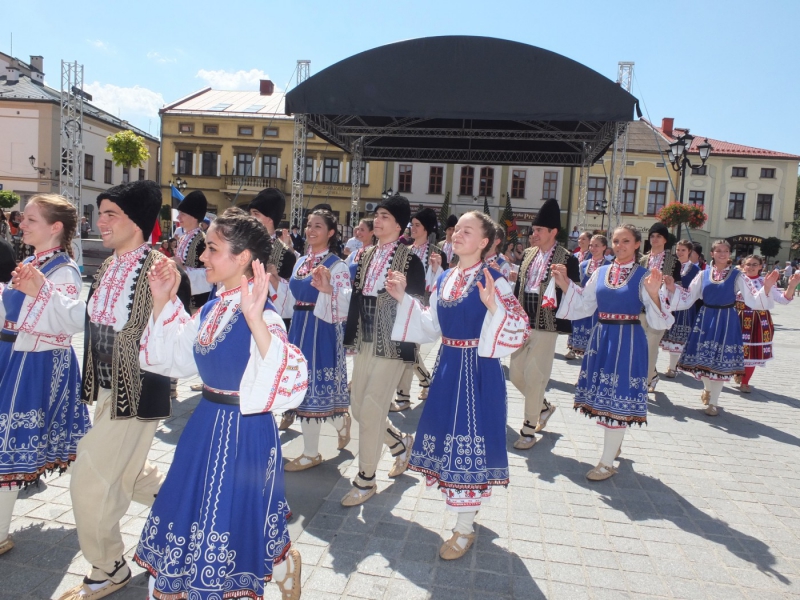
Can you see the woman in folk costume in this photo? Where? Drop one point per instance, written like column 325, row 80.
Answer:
column 320, row 286
column 447, row 245
column 714, row 352
column 675, row 338
column 612, row 385
column 579, row 338
column 218, row 527
column 41, row 416
column 461, row 437
column 363, row 233
column 495, row 258
column 757, row 329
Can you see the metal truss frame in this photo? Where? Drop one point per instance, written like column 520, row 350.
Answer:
column 355, row 171
column 299, row 154
column 583, row 179
column 70, row 170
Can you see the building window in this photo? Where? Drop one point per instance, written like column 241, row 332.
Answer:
column 467, row 179
column 628, row 196
column 701, row 170
column 330, row 170
column 595, row 193
column 186, row 128
column 404, row 179
column 550, row 186
column 486, row 185
column 309, row 175
column 211, row 129
column 767, row 173
column 739, row 172
column 107, row 172
column 208, row 165
column 269, row 166
column 270, row 132
column 518, row 183
column 88, row 167
column 141, row 174
column 245, row 130
column 697, row 197
column 656, row 197
column 126, row 174
column 764, row 207
column 244, row 164
column 185, row 162
column 435, row 180
column 736, row 206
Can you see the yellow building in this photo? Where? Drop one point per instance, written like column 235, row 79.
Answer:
column 233, row 144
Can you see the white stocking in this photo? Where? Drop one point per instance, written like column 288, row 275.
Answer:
column 311, row 431
column 464, row 526
column 673, row 360
column 338, row 422
column 611, row 443
column 706, row 383
column 280, row 571
column 151, row 587
column 7, row 499
column 715, row 387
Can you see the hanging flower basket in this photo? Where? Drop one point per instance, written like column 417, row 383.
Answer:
column 675, row 214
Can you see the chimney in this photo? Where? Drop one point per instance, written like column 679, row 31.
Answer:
column 12, row 71
column 37, row 62
column 267, row 87
column 666, row 125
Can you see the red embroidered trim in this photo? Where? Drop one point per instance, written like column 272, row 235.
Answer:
column 617, row 317
column 460, row 343
column 221, row 392
column 10, row 325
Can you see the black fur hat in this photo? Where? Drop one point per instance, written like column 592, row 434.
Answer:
column 195, row 205
column 427, row 218
column 399, row 208
column 549, row 215
column 451, row 221
column 140, row 200
column 659, row 228
column 271, row 203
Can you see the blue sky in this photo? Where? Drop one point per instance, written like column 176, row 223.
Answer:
column 729, row 69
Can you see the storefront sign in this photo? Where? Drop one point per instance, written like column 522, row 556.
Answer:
column 746, row 239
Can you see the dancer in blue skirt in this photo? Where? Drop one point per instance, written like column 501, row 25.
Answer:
column 714, row 352
column 41, row 416
column 320, row 286
column 218, row 528
column 675, row 338
column 579, row 338
column 612, row 385
column 460, row 444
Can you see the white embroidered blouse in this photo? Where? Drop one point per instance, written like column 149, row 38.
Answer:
column 333, row 307
column 746, row 291
column 109, row 303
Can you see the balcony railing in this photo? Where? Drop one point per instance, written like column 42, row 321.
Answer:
column 252, row 182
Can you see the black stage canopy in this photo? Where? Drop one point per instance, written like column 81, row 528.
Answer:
column 464, row 99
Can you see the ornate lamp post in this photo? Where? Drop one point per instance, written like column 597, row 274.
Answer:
column 679, row 159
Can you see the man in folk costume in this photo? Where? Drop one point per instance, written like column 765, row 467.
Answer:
column 447, row 245
column 380, row 362
column 532, row 364
column 191, row 212
column 111, row 467
column 423, row 225
column 663, row 259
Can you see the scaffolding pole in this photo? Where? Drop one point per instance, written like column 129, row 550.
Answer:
column 619, row 156
column 583, row 179
column 70, row 175
column 299, row 154
column 355, row 199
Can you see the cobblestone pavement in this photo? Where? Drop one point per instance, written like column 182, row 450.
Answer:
column 701, row 507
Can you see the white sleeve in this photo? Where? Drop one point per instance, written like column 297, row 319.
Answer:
column 507, row 329
column 56, row 311
column 416, row 323
column 431, row 276
column 197, row 280
column 752, row 297
column 167, row 346
column 578, row 302
column 333, row 307
column 682, row 298
column 277, row 382
column 779, row 297
column 657, row 318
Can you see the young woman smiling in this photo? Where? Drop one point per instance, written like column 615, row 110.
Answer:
column 612, row 385
column 474, row 309
column 675, row 338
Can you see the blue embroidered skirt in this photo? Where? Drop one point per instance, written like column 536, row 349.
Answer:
column 581, row 330
column 41, row 416
column 714, row 348
column 612, row 385
column 676, row 336
column 219, row 522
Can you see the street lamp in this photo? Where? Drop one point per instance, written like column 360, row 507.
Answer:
column 679, row 159
column 179, row 184
column 387, row 193
column 601, row 207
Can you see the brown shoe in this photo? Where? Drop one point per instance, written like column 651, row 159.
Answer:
column 286, row 421
column 745, row 388
column 451, row 549
column 525, row 442
column 600, row 472
column 344, row 435
column 401, row 460
column 737, row 379
column 705, row 397
column 7, row 545
column 711, row 410
column 671, row 374
column 196, row 387
column 570, row 355
column 298, row 464
column 399, row 405
column 292, row 574
column 544, row 416
column 84, row 592
column 358, row 496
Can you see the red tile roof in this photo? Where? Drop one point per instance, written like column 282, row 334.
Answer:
column 722, row 148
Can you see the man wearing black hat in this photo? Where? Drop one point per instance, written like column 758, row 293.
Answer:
column 379, row 364
column 297, row 239
column 658, row 257
column 111, row 466
column 192, row 212
column 532, row 364
column 423, row 226
column 447, row 246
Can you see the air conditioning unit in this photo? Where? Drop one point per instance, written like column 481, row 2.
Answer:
column 370, row 206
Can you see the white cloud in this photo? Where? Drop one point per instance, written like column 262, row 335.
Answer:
column 226, row 80
column 125, row 102
column 100, row 45
column 160, row 58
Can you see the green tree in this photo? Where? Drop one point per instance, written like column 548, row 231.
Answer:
column 127, row 149
column 8, row 199
column 770, row 247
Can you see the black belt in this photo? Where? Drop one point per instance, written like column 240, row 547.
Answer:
column 619, row 321
column 218, row 398
column 720, row 305
column 304, row 306
column 8, row 337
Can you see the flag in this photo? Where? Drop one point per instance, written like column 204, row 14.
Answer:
column 486, row 207
column 176, row 193
column 155, row 237
column 509, row 222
